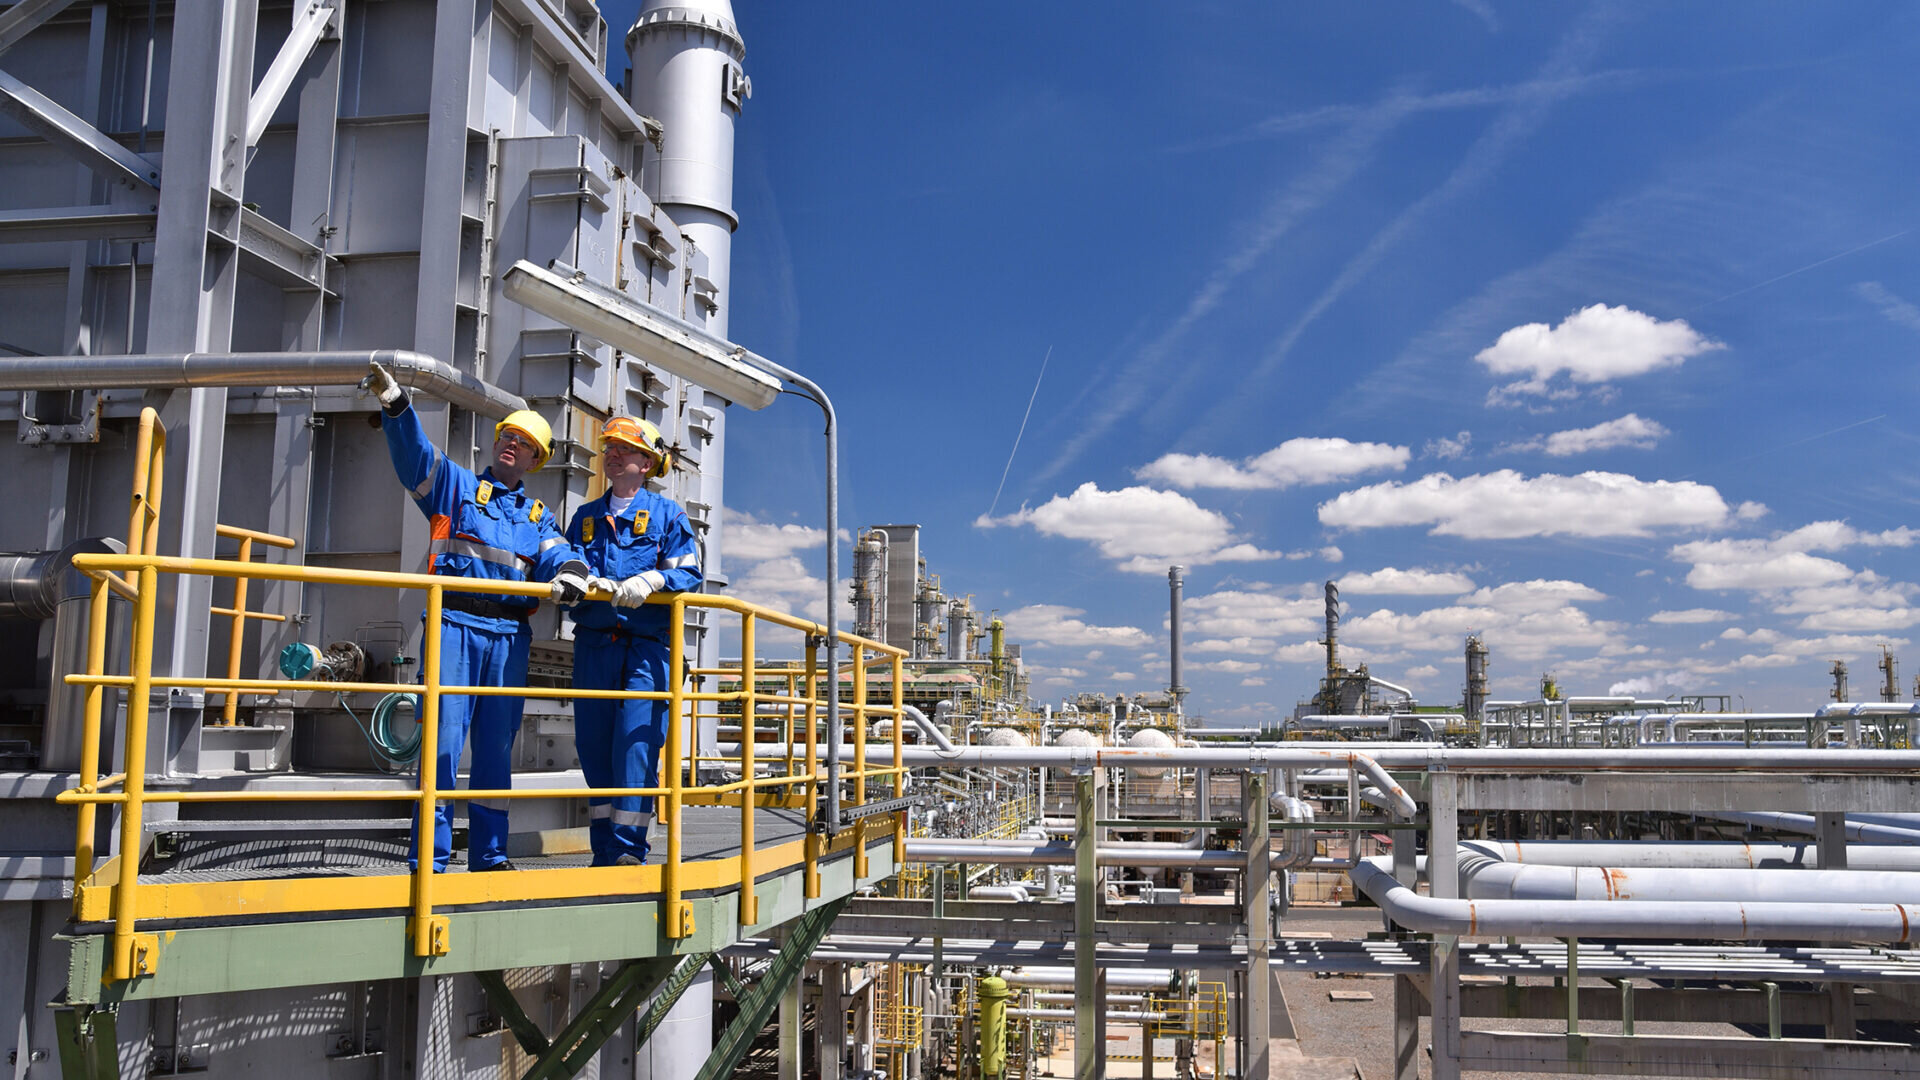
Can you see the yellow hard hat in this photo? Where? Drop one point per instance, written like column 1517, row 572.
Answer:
column 533, row 426
column 636, row 432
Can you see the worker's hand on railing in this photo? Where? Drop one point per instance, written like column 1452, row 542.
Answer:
column 602, row 585
column 570, row 585
column 634, row 591
column 381, row 384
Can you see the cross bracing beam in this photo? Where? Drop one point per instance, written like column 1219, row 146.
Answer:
column 500, row 996
column 309, row 27
column 600, row 1017
column 20, row 20
column 53, row 122
column 669, row 995
column 758, row 1005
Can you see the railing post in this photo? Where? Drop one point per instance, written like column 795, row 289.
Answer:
column 97, row 611
column 812, row 787
column 429, row 933
column 230, row 710
column 860, row 870
column 126, row 908
column 749, row 706
column 679, row 913
column 899, row 763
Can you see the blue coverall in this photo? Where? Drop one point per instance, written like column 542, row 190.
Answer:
column 479, row 529
column 626, row 649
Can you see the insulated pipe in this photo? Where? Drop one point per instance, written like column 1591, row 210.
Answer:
column 961, row 851
column 1727, row 920
column 1484, row 878
column 187, row 370
column 1121, row 1016
column 1730, row 854
column 1055, row 978
column 1861, row 831
column 929, row 728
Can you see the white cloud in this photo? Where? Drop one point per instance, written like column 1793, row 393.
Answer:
column 1783, row 562
column 1389, row 581
column 1525, row 635
column 1631, row 431
column 1291, row 464
column 1236, row 615
column 1448, row 449
column 1424, row 671
column 1254, row 680
column 1535, row 595
column 752, row 540
column 1123, row 676
column 1230, row 667
column 1142, row 529
column 1893, row 307
column 784, row 584
column 1690, row 615
column 1249, row 646
column 1506, row 505
column 1332, row 554
column 1596, row 344
column 1062, row 627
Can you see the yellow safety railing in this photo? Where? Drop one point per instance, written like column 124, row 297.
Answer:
column 126, row 901
column 229, row 712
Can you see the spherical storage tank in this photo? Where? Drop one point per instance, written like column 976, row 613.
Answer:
column 1076, row 737
column 1003, row 737
column 1150, row 739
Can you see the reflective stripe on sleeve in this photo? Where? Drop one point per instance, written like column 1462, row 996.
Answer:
column 453, row 545
column 551, row 542
column 432, row 473
column 631, row 817
column 600, row 811
column 681, row 561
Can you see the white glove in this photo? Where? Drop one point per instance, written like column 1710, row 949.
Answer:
column 381, row 383
column 634, row 591
column 601, row 585
column 569, row 586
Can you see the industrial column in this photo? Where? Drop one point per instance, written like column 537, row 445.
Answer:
column 1258, row 914
column 1443, row 880
column 1089, row 978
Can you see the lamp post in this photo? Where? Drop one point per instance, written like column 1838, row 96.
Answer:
column 570, row 297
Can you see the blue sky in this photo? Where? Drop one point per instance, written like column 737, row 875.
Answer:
column 1588, row 327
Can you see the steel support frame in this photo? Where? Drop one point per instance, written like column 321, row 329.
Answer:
column 507, row 1007
column 732, row 1045
column 196, row 268
column 684, row 973
column 1686, row 1055
column 23, row 17
column 89, row 1043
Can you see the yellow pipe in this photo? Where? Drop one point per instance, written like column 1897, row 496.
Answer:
column 132, row 832
column 860, row 869
column 749, row 903
column 235, row 532
column 90, row 736
column 423, row 937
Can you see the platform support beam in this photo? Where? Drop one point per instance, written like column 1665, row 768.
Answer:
column 759, row 1003
column 89, row 1044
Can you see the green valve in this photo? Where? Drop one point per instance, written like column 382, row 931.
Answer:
column 298, row 660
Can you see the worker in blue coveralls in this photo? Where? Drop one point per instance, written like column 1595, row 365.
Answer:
column 484, row 526
column 637, row 543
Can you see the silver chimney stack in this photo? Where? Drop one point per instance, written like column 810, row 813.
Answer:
column 1176, row 579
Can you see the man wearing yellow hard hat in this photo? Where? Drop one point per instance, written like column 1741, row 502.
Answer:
column 638, row 542
column 484, row 526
